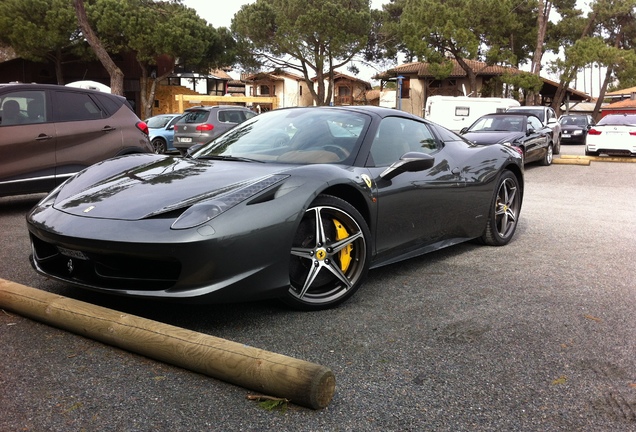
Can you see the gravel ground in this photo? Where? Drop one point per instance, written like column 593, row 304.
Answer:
column 535, row 336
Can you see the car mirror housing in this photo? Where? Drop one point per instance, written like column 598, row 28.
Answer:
column 409, row 162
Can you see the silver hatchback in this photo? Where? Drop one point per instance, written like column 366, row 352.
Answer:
column 200, row 125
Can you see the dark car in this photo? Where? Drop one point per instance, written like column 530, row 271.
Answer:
column 161, row 131
column 200, row 125
column 296, row 203
column 548, row 117
column 574, row 128
column 519, row 130
column 48, row 133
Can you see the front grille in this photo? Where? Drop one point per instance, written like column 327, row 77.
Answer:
column 103, row 270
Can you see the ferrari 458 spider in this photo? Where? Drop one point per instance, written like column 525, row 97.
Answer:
column 296, row 204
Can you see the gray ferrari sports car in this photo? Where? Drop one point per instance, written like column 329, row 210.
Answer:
column 296, row 204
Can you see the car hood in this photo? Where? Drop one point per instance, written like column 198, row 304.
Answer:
column 140, row 186
column 485, row 138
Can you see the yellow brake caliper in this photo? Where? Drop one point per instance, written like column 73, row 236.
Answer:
column 345, row 254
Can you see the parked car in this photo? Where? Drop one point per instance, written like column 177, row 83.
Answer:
column 549, row 118
column 574, row 127
column 519, row 130
column 614, row 134
column 48, row 133
column 161, row 131
column 296, row 203
column 200, row 125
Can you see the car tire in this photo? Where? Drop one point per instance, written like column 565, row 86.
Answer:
column 158, row 145
column 504, row 211
column 548, row 156
column 329, row 256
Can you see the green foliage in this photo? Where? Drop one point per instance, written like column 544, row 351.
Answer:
column 34, row 28
column 313, row 37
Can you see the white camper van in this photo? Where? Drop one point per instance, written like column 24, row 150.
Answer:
column 457, row 112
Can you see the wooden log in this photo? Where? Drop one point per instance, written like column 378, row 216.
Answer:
column 301, row 382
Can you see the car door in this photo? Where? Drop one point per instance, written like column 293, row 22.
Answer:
column 86, row 132
column 413, row 208
column 536, row 142
column 28, row 144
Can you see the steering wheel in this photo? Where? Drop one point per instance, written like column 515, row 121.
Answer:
column 340, row 151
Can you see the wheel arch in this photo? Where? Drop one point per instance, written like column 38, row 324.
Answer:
column 354, row 197
column 516, row 170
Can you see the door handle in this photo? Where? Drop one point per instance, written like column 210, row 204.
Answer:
column 108, row 129
column 43, row 137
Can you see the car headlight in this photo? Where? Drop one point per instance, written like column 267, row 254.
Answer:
column 207, row 210
column 577, row 132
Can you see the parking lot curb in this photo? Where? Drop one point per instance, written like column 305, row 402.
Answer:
column 627, row 159
column 563, row 160
column 301, row 382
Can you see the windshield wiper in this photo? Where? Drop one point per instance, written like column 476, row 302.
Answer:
column 229, row 158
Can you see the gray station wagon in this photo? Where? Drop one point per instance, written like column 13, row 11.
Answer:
column 200, row 125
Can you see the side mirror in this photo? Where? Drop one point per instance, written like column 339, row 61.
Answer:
column 463, row 131
column 409, row 162
column 552, row 121
column 192, row 150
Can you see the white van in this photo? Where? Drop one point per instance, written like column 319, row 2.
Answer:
column 457, row 112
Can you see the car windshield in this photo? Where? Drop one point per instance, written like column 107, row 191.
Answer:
column 508, row 123
column 295, row 135
column 573, row 121
column 618, row 120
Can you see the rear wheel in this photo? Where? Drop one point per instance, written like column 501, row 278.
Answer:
column 504, row 211
column 158, row 145
column 547, row 157
column 329, row 256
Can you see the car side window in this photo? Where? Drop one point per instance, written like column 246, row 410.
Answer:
column 534, row 123
column 23, row 107
column 551, row 114
column 397, row 136
column 419, row 137
column 75, row 106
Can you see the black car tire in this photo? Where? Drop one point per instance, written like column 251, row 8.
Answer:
column 547, row 157
column 329, row 256
column 158, row 145
column 504, row 211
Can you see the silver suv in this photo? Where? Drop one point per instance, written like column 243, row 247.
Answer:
column 50, row 132
column 199, row 125
column 548, row 118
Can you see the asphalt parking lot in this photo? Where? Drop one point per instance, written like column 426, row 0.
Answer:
column 539, row 335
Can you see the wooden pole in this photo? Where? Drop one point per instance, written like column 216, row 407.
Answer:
column 301, row 382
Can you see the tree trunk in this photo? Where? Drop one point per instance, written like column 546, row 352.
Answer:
column 542, row 23
column 116, row 75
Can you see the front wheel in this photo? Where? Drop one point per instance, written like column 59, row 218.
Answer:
column 504, row 211
column 329, row 256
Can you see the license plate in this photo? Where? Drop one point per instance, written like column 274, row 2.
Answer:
column 72, row 253
column 185, row 139
column 566, row 135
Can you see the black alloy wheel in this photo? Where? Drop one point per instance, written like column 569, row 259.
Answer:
column 504, row 211
column 329, row 256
